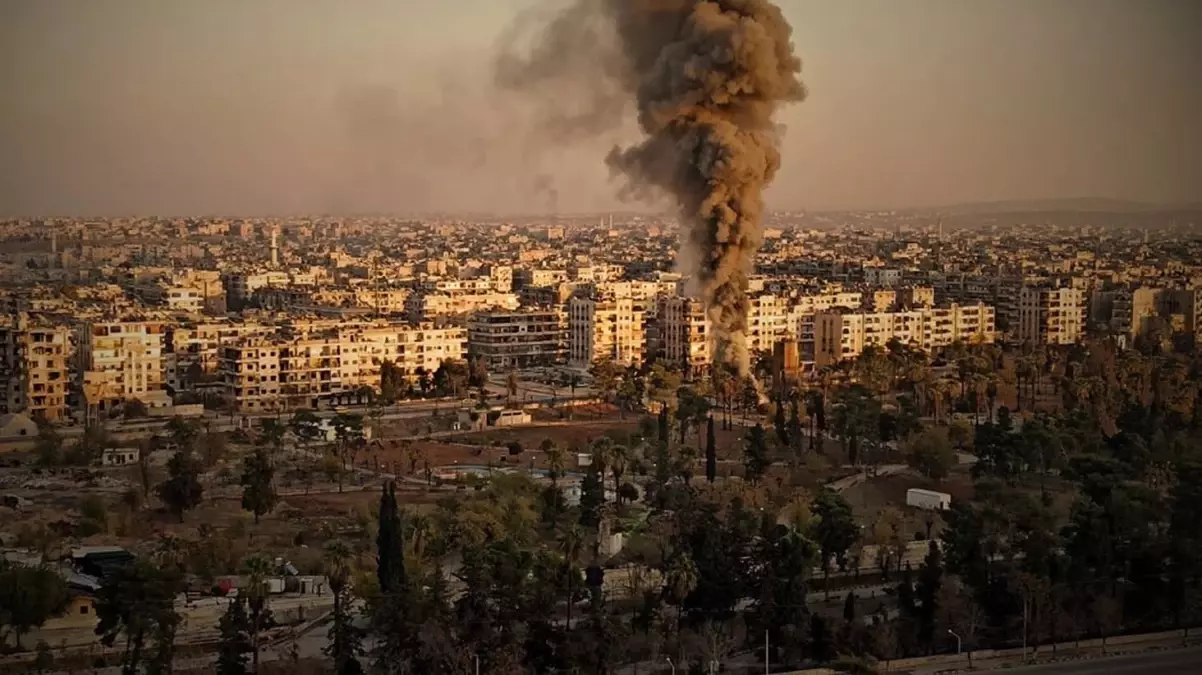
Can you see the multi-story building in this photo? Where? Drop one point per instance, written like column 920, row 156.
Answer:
column 768, row 321
column 1183, row 302
column 606, row 327
column 192, row 352
column 1054, row 316
column 330, row 362
column 426, row 306
column 913, row 297
column 250, row 373
column 122, row 360
column 33, row 365
column 535, row 278
column 684, row 333
column 522, row 339
column 839, row 335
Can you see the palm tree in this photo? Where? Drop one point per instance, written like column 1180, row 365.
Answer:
column 258, row 568
column 619, row 458
column 555, row 457
column 680, row 580
column 336, row 561
column 571, row 547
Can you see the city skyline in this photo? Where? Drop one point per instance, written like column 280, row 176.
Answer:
column 125, row 108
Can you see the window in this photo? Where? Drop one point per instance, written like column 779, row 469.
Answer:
column 83, row 609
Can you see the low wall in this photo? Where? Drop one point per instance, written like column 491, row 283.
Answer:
column 951, row 660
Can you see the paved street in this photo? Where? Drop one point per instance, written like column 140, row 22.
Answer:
column 1173, row 662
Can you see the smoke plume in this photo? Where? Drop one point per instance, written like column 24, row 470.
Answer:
column 705, row 78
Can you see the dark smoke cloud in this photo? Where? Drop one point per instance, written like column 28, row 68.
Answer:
column 705, row 78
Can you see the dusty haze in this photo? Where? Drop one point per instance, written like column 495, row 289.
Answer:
column 275, row 106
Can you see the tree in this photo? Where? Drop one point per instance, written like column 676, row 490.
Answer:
column 183, row 432
column 348, row 432
column 305, row 426
column 511, row 385
column 49, row 446
column 138, row 602
column 835, row 530
column 931, row 454
column 592, row 497
column 345, row 640
column 755, row 455
column 134, row 409
column 711, row 452
column 28, row 597
column 257, row 569
column 44, row 660
column 271, row 434
column 392, row 382
column 390, row 544
column 605, row 377
column 182, row 492
column 235, row 639
column 781, row 423
column 258, row 491
column 930, row 580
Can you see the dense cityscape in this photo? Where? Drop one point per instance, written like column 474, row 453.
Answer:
column 589, row 357
column 538, row 397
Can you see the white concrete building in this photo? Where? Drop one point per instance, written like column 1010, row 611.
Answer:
column 1054, row 316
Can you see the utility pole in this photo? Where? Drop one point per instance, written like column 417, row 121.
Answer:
column 766, row 660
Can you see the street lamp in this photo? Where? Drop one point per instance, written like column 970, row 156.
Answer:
column 953, row 634
column 671, row 665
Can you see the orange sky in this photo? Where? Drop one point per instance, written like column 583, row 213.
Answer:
column 286, row 106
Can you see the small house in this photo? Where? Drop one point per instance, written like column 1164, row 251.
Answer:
column 119, row 456
column 16, row 425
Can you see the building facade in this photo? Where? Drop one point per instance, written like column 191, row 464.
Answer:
column 34, row 367
column 1053, row 316
column 507, row 340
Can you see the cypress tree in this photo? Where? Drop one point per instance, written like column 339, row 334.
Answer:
column 711, row 451
column 390, row 544
column 235, row 640
column 663, row 425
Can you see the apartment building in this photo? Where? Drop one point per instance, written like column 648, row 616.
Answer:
column 882, row 276
column 251, row 375
column 521, row 339
column 768, row 321
column 33, row 365
column 883, row 300
column 326, row 362
column 427, row 306
column 839, row 335
column 1183, row 302
column 122, row 360
column 192, row 352
column 606, row 326
column 912, row 297
column 1054, row 316
column 241, row 286
column 1127, row 311
column 535, row 278
column 684, row 333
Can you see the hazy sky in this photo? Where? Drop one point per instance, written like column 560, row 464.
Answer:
column 286, row 106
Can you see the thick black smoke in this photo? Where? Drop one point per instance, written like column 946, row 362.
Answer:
column 706, row 78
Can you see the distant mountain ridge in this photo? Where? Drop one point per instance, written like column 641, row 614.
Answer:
column 1080, row 204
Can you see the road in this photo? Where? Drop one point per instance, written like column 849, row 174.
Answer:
column 1173, row 662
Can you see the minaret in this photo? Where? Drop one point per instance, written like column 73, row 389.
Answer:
column 54, row 241
column 275, row 251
